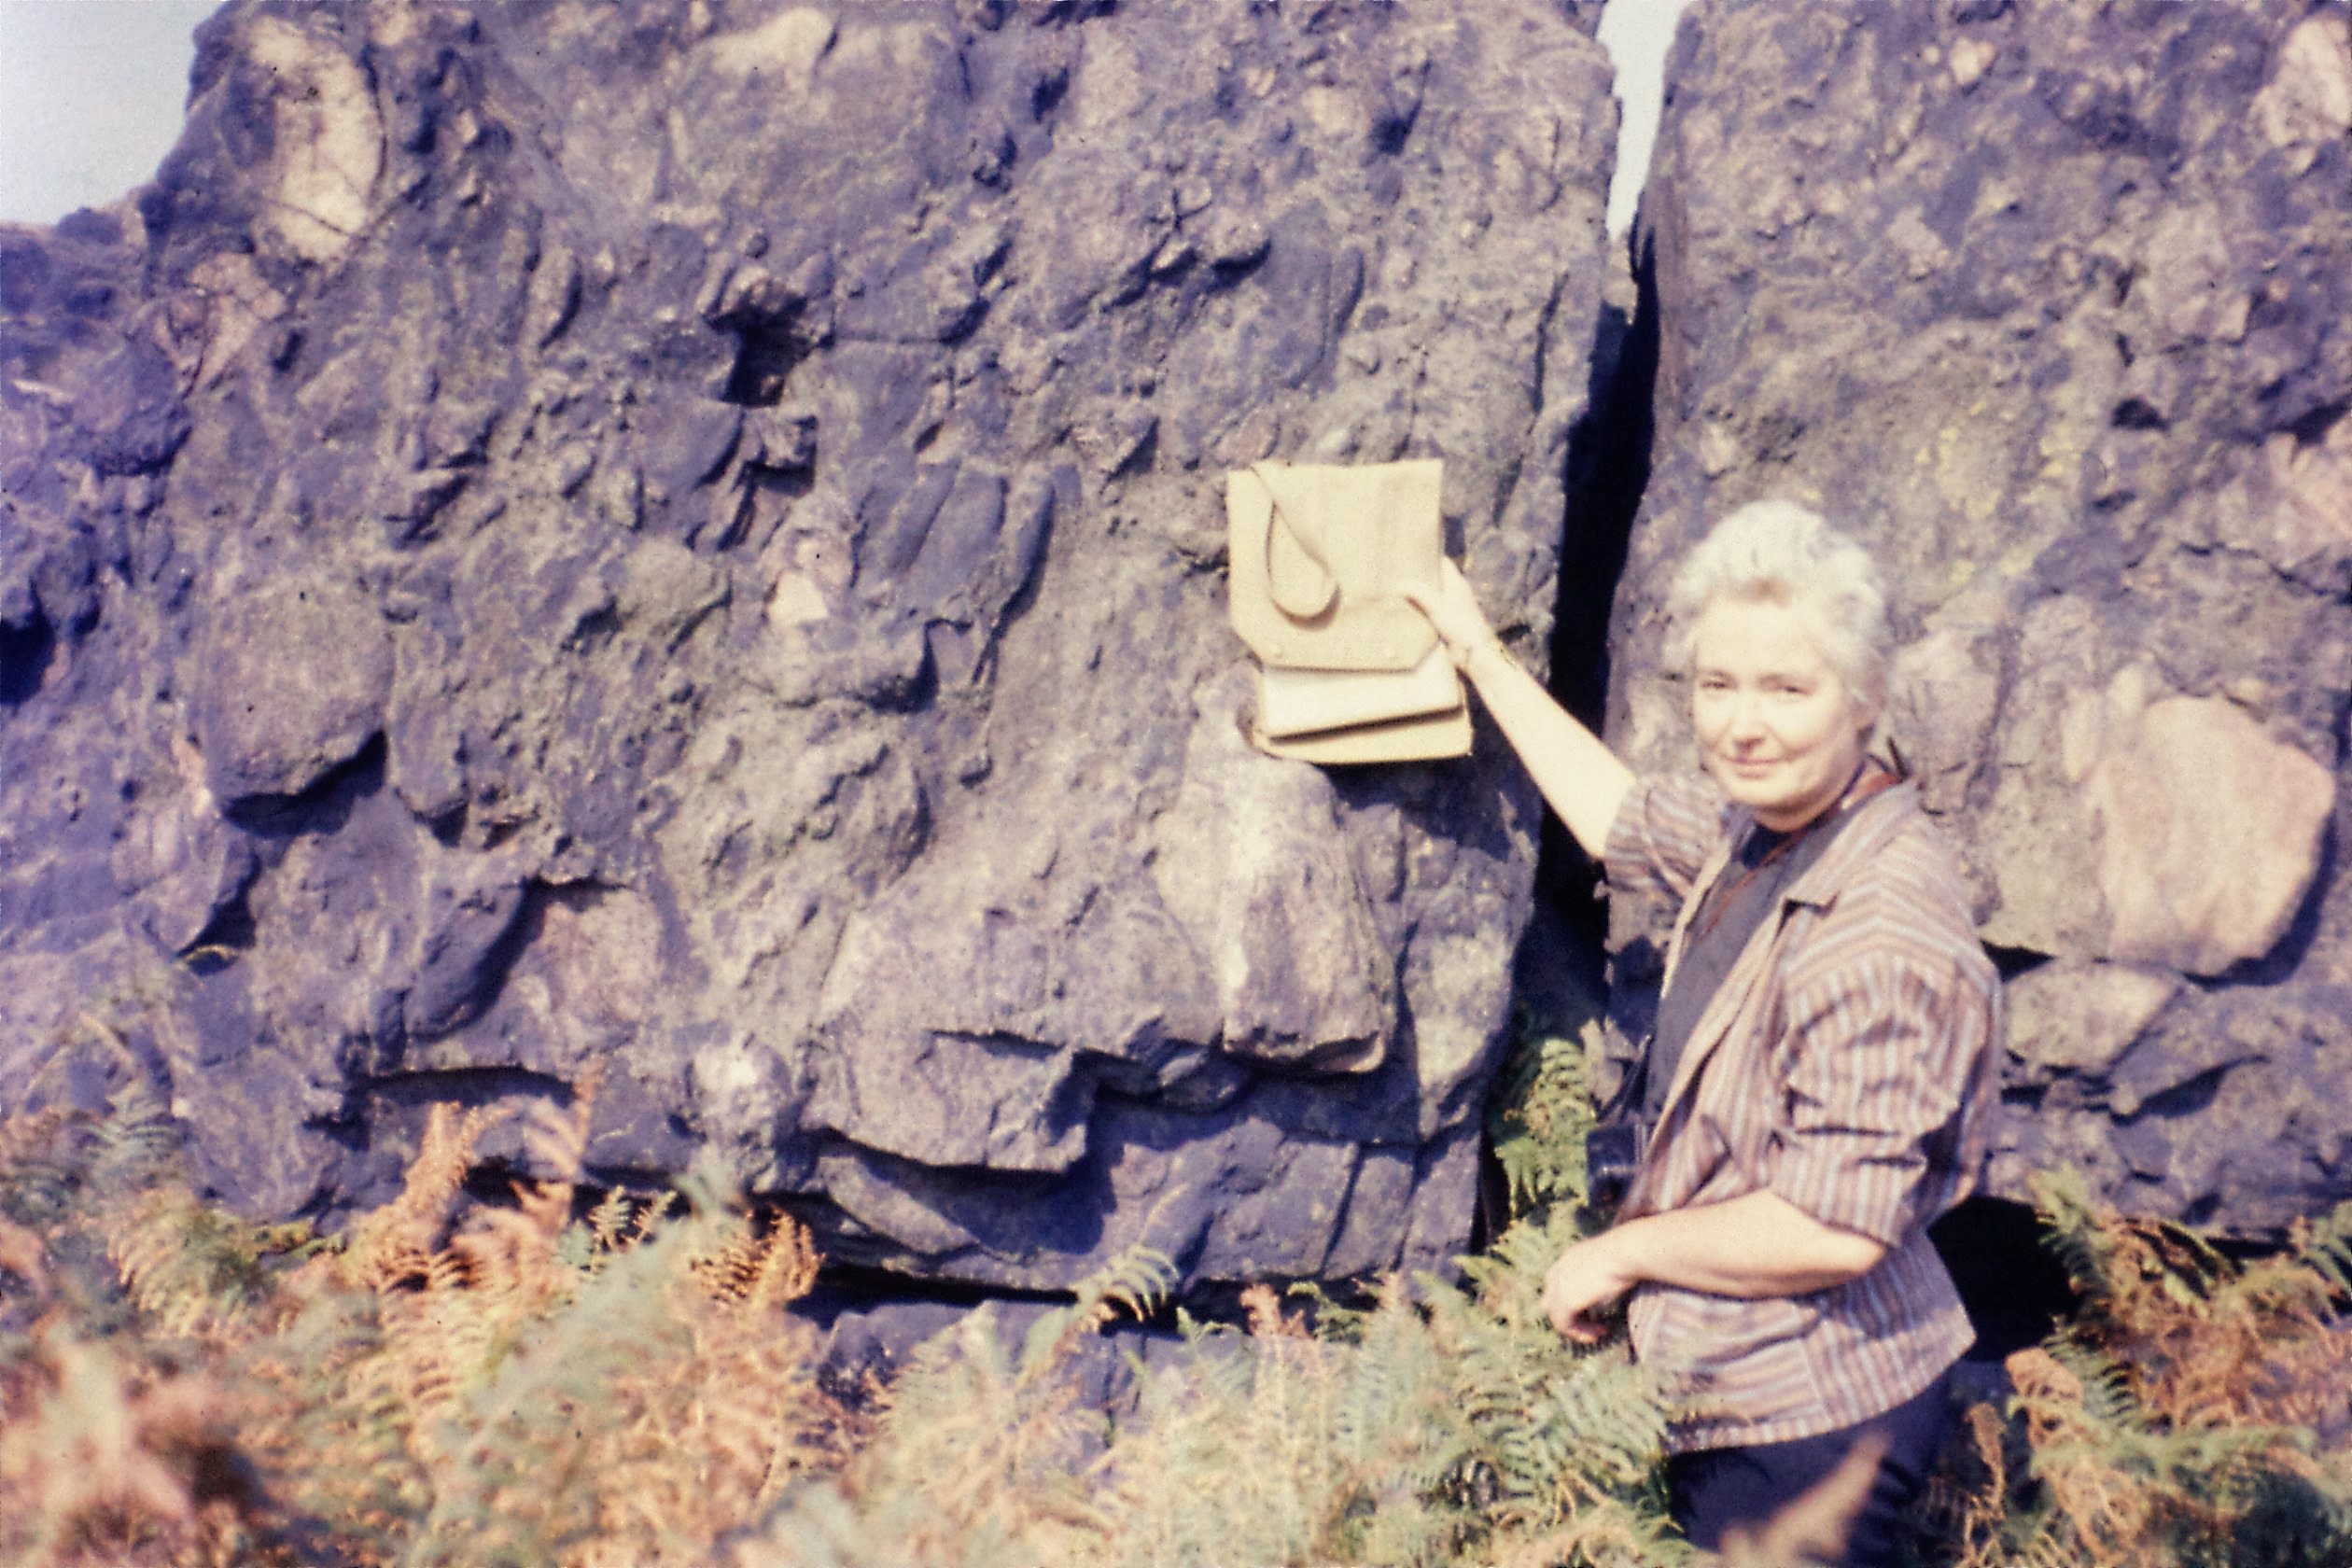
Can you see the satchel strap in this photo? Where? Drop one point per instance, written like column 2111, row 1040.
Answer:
column 1301, row 597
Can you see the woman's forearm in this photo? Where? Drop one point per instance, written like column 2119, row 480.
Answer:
column 1751, row 1247
column 1580, row 777
column 1758, row 1245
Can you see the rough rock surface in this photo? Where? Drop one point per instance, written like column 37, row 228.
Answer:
column 2052, row 304
column 689, row 539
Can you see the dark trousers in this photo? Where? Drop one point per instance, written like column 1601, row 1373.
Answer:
column 1716, row 1490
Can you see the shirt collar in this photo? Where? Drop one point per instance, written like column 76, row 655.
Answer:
column 1875, row 821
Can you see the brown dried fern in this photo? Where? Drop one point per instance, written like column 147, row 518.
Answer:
column 103, row 1460
column 395, row 1245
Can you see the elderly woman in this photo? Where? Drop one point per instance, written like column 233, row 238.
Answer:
column 1815, row 1084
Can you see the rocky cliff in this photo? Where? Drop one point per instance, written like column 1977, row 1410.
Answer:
column 2053, row 305
column 686, row 541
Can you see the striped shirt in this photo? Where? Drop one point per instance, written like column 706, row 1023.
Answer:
column 1846, row 1063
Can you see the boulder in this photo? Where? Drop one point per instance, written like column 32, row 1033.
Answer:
column 2052, row 307
column 691, row 546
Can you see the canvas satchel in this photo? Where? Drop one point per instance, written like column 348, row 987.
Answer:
column 1350, row 671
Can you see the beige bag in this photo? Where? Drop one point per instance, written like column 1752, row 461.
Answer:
column 1349, row 672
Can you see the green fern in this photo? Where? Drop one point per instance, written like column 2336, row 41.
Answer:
column 2074, row 1229
column 1133, row 1284
column 1542, row 1109
column 2324, row 1246
column 1549, row 1432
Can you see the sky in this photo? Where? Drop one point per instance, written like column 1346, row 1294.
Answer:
column 92, row 93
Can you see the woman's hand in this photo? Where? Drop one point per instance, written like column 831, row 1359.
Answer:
column 1583, row 782
column 1581, row 1284
column 1453, row 609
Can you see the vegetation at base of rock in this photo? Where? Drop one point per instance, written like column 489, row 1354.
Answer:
column 448, row 1382
column 2197, row 1412
column 453, row 1382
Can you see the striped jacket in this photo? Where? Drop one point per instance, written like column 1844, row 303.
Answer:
column 1847, row 1064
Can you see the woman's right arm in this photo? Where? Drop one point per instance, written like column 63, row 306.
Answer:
column 1581, row 778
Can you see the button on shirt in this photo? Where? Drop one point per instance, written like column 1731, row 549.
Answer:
column 1845, row 1063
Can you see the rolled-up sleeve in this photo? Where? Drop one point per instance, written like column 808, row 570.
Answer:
column 1882, row 1064
column 1663, row 835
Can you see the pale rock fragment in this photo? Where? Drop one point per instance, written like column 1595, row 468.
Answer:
column 2308, row 100
column 2210, row 835
column 2081, row 1017
column 329, row 142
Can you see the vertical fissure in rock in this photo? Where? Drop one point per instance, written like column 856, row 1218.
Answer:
column 1560, row 974
column 1608, row 470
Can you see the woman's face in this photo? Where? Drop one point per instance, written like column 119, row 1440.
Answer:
column 1780, row 733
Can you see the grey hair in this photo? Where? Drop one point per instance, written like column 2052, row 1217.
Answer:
column 1781, row 553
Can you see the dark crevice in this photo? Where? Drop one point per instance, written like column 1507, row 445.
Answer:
column 448, row 825
column 464, row 1087
column 2313, row 427
column 226, row 937
column 2186, row 1099
column 531, row 917
column 2202, row 1211
column 2016, row 1292
column 846, row 1286
column 323, row 809
column 2014, row 961
column 843, row 1288
column 24, row 659
column 1608, row 471
column 766, row 359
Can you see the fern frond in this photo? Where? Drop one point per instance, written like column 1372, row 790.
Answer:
column 1542, row 1111
column 556, row 1136
column 40, row 1164
column 2076, row 1228
column 2324, row 1246
column 759, row 1272
column 610, row 1222
column 189, row 1270
column 397, row 1242
column 135, row 1145
column 1134, row 1283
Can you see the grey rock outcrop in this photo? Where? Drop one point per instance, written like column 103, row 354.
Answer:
column 2052, row 305
column 689, row 540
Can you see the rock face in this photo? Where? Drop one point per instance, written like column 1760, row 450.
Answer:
column 2053, row 306
column 689, row 540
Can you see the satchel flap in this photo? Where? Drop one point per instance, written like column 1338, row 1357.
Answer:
column 1317, row 553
